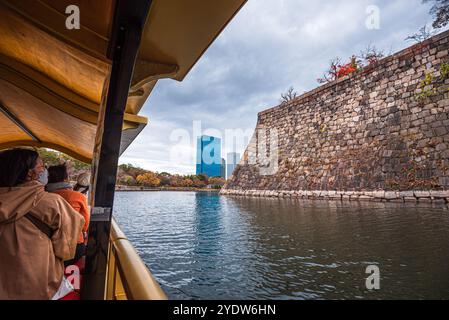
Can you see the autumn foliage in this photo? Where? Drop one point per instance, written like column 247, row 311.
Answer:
column 338, row 69
column 134, row 176
column 149, row 179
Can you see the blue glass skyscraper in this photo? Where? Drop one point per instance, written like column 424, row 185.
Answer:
column 208, row 156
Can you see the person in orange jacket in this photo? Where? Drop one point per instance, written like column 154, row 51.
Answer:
column 58, row 182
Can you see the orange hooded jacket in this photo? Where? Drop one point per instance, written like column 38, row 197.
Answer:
column 78, row 201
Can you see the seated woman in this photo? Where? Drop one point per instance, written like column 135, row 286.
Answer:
column 38, row 230
column 58, row 182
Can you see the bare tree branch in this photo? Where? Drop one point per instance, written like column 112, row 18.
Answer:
column 423, row 33
column 332, row 73
column 371, row 54
column 288, row 96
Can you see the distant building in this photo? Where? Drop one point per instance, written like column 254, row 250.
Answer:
column 233, row 160
column 208, row 156
column 223, row 168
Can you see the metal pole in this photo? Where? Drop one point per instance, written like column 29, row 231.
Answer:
column 127, row 30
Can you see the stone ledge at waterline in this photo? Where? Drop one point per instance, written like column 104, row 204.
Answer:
column 385, row 127
column 391, row 196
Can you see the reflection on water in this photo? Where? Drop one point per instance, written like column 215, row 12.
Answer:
column 206, row 246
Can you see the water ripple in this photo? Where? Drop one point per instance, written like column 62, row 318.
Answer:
column 202, row 246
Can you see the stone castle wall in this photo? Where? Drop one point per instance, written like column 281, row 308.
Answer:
column 384, row 128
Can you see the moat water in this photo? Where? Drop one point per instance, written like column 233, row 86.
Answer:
column 206, row 246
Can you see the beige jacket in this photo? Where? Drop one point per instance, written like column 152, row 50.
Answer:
column 31, row 265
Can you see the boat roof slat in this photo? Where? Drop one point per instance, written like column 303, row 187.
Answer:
column 47, row 70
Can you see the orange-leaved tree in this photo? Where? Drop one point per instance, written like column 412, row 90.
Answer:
column 149, row 179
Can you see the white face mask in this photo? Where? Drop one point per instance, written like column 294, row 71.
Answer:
column 43, row 177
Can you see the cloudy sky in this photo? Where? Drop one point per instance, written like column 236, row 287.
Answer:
column 270, row 46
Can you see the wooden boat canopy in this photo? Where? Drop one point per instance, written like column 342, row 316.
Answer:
column 53, row 79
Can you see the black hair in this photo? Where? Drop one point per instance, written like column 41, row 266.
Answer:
column 57, row 173
column 15, row 165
